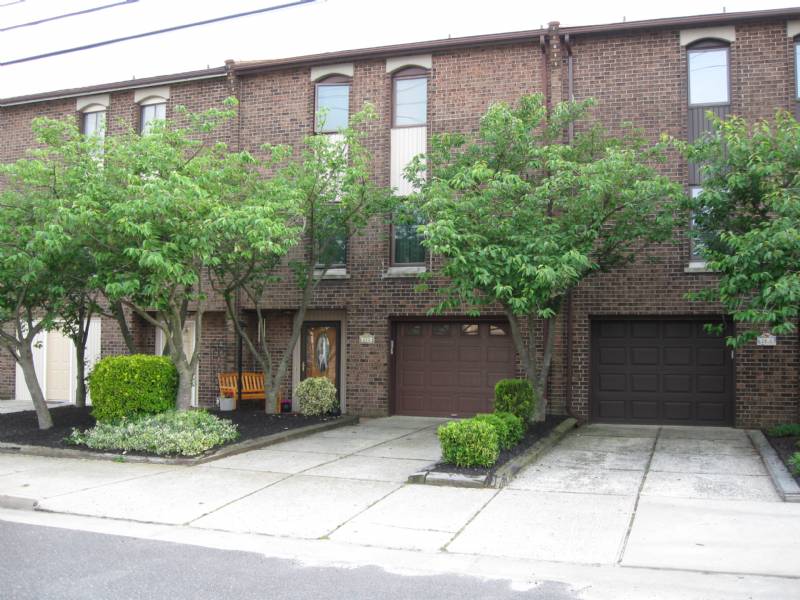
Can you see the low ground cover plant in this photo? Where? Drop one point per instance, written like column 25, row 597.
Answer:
column 133, row 385
column 186, row 433
column 794, row 462
column 784, row 430
column 515, row 396
column 316, row 396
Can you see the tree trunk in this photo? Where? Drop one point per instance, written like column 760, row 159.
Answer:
column 185, row 376
column 80, row 377
column 119, row 315
column 25, row 360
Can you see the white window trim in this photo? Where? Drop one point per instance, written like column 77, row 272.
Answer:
column 424, row 61
column 344, row 69
column 726, row 33
column 157, row 95
column 402, row 271
column 94, row 103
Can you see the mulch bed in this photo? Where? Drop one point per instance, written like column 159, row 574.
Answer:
column 785, row 447
column 22, row 427
column 535, row 433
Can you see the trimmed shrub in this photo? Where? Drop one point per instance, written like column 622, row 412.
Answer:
column 316, row 396
column 784, row 430
column 794, row 462
column 500, row 426
column 516, row 428
column 185, row 433
column 515, row 396
column 469, row 443
column 131, row 386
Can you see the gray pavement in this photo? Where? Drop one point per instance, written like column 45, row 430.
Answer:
column 75, row 565
column 635, row 500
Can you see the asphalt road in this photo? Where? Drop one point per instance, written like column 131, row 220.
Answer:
column 43, row 563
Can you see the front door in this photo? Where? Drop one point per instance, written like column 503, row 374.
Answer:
column 320, row 351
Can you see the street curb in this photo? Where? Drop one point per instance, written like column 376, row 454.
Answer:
column 225, row 451
column 18, row 502
column 504, row 474
column 785, row 484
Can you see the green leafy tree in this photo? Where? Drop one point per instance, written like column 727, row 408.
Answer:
column 326, row 192
column 155, row 221
column 521, row 217
column 747, row 221
column 47, row 279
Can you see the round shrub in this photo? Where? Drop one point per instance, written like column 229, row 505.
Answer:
column 515, row 396
column 131, row 386
column 316, row 396
column 500, row 426
column 469, row 443
column 516, row 428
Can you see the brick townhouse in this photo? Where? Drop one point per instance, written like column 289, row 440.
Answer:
column 630, row 347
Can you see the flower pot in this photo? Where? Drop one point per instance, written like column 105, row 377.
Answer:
column 226, row 404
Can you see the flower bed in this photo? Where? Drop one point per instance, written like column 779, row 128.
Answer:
column 785, row 439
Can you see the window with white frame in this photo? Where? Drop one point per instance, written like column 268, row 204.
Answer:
column 709, row 81
column 149, row 114
column 94, row 123
column 332, row 104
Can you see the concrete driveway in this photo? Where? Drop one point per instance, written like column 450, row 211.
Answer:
column 691, row 499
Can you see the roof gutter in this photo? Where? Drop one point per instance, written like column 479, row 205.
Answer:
column 130, row 84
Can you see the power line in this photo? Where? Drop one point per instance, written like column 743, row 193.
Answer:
column 155, row 32
column 65, row 15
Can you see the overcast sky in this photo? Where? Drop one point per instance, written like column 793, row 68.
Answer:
column 318, row 26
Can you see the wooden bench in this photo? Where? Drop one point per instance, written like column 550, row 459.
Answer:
column 252, row 385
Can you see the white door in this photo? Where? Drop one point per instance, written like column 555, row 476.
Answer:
column 188, row 348
column 93, row 352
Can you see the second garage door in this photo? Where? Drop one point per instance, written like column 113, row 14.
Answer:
column 450, row 369
column 660, row 372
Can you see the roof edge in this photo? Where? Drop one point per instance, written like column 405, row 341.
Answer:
column 129, row 84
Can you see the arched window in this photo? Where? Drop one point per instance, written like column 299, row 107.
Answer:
column 709, row 80
column 410, row 97
column 332, row 104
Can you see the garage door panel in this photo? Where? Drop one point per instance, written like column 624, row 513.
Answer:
column 644, row 356
column 452, row 367
column 644, row 382
column 613, row 356
column 676, row 372
column 644, row 409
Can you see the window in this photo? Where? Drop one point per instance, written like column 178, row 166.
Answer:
column 410, row 106
column 407, row 247
column 796, row 69
column 333, row 253
column 332, row 104
column 470, row 329
column 697, row 243
column 708, row 74
column 150, row 113
column 497, row 330
column 94, row 123
column 440, row 329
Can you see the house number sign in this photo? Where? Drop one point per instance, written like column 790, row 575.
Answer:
column 767, row 339
column 366, row 338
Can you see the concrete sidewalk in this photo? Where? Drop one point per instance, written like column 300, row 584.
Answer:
column 628, row 499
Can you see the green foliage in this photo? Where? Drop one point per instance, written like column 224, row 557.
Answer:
column 515, row 425
column 469, row 443
column 521, row 217
column 784, row 430
column 504, row 436
column 747, row 221
column 130, row 386
column 167, row 434
column 515, row 396
column 316, row 396
column 794, row 462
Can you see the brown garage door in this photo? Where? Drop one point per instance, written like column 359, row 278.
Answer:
column 446, row 369
column 660, row 372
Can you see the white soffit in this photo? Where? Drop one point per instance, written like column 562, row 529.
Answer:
column 153, row 95
column 420, row 60
column 792, row 28
column 96, row 102
column 318, row 73
column 726, row 33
